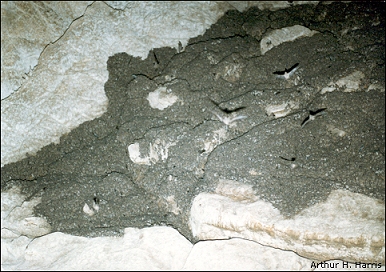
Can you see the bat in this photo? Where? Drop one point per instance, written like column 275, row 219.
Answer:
column 312, row 116
column 180, row 48
column 156, row 62
column 226, row 110
column 287, row 73
column 292, row 158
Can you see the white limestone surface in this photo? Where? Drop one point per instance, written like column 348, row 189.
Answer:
column 241, row 255
column 26, row 29
column 285, row 34
column 66, row 88
column 17, row 217
column 347, row 226
column 156, row 248
column 18, row 225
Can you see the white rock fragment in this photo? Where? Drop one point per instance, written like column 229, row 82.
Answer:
column 17, row 215
column 161, row 98
column 214, row 140
column 330, row 88
column 172, row 205
column 235, row 190
column 135, row 155
column 286, row 34
column 349, row 83
column 230, row 72
column 278, row 110
column 375, row 86
column 87, row 210
column 158, row 150
column 336, row 131
column 281, row 110
column 95, row 206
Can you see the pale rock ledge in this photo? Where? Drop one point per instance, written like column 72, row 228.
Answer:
column 347, row 226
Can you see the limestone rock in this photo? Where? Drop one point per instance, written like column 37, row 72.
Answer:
column 238, row 254
column 26, row 29
column 348, row 226
column 156, row 248
column 17, row 216
column 348, row 83
column 31, row 246
column 286, row 34
column 63, row 49
column 67, row 87
column 161, row 98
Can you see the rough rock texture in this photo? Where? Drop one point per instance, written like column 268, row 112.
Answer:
column 66, row 88
column 157, row 248
column 26, row 30
column 240, row 255
column 286, row 34
column 180, row 122
column 353, row 232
